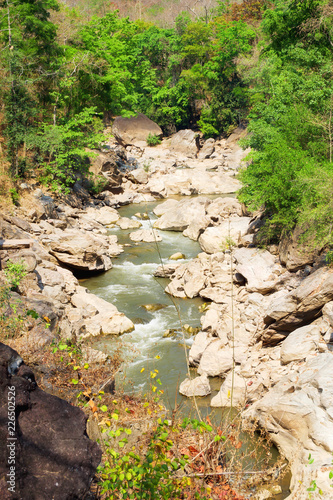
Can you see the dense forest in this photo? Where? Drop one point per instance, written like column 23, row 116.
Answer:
column 68, row 68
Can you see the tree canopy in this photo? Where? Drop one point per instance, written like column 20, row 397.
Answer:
column 268, row 64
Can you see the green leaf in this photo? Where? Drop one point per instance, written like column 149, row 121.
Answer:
column 104, row 408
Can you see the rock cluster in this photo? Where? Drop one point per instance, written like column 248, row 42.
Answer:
column 76, row 239
column 265, row 332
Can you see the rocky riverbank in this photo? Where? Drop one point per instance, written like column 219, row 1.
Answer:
column 268, row 316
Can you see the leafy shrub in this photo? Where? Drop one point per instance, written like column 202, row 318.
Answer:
column 153, row 140
column 15, row 272
column 14, row 195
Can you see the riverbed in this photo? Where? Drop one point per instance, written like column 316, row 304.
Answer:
column 130, row 285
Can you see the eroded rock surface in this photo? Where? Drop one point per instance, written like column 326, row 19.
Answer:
column 297, row 412
column 53, row 456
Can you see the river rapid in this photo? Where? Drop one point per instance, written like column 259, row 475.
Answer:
column 130, row 285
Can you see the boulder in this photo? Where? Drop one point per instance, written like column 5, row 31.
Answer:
column 147, row 235
column 103, row 215
column 166, row 270
column 164, row 207
column 192, row 181
column 201, row 342
column 213, row 323
column 224, row 207
column 294, row 253
column 126, row 223
column 185, row 142
column 198, row 386
column 216, row 238
column 52, row 455
column 216, row 360
column 233, row 392
column 181, row 215
column 328, row 312
column 177, row 256
column 259, row 268
column 300, row 306
column 176, row 289
column 194, row 278
column 93, row 356
column 301, row 343
column 197, row 227
column 104, row 167
column 107, row 321
column 27, row 258
column 207, row 149
column 49, row 277
column 139, row 176
column 135, row 130
column 79, row 250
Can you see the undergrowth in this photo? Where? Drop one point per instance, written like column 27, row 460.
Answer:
column 147, row 453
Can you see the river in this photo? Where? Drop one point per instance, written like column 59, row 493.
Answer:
column 130, row 285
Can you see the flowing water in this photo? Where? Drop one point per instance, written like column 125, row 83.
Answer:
column 130, row 285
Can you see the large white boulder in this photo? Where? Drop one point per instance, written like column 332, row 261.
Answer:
column 259, row 268
column 302, row 343
column 179, row 216
column 214, row 239
column 233, row 392
column 198, row 386
column 201, row 342
column 298, row 414
column 147, row 235
column 103, row 215
column 135, row 130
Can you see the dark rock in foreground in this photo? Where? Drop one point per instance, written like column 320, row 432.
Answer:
column 52, row 455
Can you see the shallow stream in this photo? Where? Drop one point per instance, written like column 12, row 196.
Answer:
column 129, row 285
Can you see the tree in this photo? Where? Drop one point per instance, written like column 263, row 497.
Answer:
column 28, row 49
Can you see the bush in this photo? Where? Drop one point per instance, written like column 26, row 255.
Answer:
column 15, row 272
column 153, row 140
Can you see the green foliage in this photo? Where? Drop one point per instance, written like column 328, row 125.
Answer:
column 290, row 171
column 153, row 140
column 98, row 185
column 15, row 272
column 14, row 195
column 156, row 474
column 62, row 148
column 28, row 44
